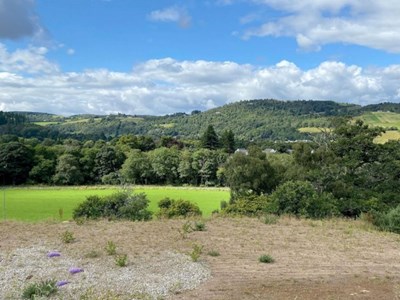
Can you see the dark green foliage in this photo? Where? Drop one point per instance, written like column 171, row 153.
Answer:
column 177, row 208
column 300, row 199
column 213, row 253
column 121, row 205
column 210, row 138
column 16, row 160
column 91, row 208
column 252, row 205
column 42, row 289
column 389, row 221
column 68, row 170
column 199, row 226
column 228, row 141
column 266, row 259
column 246, row 174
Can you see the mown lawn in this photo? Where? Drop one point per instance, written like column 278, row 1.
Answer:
column 35, row 203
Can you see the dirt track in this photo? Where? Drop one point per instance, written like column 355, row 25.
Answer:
column 313, row 259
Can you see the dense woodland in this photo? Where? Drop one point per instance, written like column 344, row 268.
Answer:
column 255, row 120
column 337, row 172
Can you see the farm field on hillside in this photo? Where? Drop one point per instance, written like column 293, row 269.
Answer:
column 382, row 119
column 330, row 259
column 34, row 204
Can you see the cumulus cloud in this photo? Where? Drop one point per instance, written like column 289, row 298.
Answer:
column 315, row 23
column 18, row 19
column 163, row 86
column 31, row 60
column 171, row 14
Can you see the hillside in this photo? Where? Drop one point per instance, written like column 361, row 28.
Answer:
column 249, row 120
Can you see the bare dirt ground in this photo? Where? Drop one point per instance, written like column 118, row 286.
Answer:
column 335, row 259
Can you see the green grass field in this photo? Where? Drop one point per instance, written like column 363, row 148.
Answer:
column 36, row 204
column 382, row 119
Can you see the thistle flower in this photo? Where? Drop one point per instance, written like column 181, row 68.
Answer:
column 53, row 254
column 75, row 270
column 62, row 282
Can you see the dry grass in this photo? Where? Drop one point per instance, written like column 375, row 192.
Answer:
column 335, row 259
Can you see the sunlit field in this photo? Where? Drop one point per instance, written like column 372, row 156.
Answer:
column 35, row 203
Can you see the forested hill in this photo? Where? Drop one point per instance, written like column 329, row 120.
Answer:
column 249, row 120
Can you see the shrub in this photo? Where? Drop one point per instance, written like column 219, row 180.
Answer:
column 223, row 204
column 165, row 203
column 199, row 226
column 91, row 208
column 270, row 219
column 247, row 205
column 213, row 253
column 111, row 248
column 389, row 221
column 120, row 205
column 177, row 208
column 299, row 198
column 67, row 237
column 196, row 252
column 121, row 260
column 41, row 289
column 266, row 259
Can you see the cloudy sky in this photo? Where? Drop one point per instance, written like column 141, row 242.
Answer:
column 165, row 56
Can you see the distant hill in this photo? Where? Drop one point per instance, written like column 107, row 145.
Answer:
column 249, row 120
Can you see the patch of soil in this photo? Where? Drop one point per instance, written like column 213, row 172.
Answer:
column 334, row 259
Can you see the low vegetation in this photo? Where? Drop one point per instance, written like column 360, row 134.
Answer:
column 121, row 205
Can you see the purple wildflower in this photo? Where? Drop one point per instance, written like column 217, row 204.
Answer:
column 62, row 282
column 75, row 270
column 53, row 254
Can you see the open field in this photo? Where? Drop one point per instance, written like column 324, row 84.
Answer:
column 330, row 259
column 34, row 204
column 314, row 129
column 381, row 119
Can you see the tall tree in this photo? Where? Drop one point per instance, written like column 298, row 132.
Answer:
column 16, row 160
column 210, row 140
column 228, row 141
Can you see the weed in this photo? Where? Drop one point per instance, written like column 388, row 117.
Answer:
column 213, row 253
column 267, row 259
column 270, row 219
column 121, row 260
column 92, row 254
column 67, row 237
column 199, row 226
column 186, row 228
column 44, row 288
column 111, row 248
column 196, row 252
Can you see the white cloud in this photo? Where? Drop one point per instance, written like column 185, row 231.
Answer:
column 18, row 19
column 171, row 14
column 164, row 86
column 30, row 60
column 315, row 23
column 71, row 51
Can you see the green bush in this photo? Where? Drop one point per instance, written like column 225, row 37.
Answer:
column 171, row 208
column 248, row 206
column 91, row 208
column 120, row 205
column 299, row 198
column 41, row 289
column 67, row 237
column 389, row 221
column 266, row 259
column 121, row 260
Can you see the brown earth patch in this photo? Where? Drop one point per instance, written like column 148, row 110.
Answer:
column 335, row 259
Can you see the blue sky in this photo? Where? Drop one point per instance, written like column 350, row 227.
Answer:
column 159, row 57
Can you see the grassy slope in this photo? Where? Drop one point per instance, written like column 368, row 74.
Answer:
column 382, row 119
column 34, row 204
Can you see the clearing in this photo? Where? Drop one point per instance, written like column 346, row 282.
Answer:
column 36, row 203
column 332, row 259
